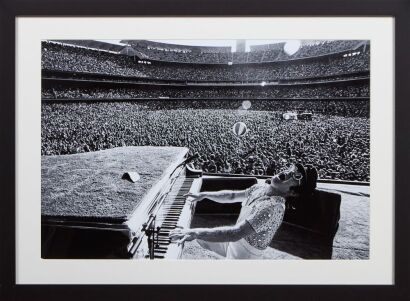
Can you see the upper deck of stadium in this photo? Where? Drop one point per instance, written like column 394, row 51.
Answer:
column 224, row 55
column 269, row 63
column 265, row 53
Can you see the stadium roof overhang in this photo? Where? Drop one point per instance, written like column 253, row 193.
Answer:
column 95, row 44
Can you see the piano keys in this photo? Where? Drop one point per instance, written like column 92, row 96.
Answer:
column 175, row 211
column 169, row 217
column 90, row 211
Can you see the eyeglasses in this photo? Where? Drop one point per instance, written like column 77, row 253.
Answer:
column 296, row 175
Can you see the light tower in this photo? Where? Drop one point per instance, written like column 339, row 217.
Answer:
column 240, row 45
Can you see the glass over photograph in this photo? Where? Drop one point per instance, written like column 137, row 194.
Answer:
column 205, row 149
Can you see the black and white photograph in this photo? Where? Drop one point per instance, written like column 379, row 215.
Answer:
column 205, row 149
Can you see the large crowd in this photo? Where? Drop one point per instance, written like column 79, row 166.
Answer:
column 181, row 53
column 222, row 55
column 333, row 79
column 347, row 108
column 319, row 48
column 77, row 59
column 81, row 60
column 338, row 146
column 261, row 72
column 201, row 116
column 209, row 92
column 352, row 108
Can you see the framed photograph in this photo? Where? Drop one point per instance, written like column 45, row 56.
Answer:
column 212, row 150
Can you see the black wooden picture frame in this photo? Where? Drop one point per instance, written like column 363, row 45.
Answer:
column 9, row 10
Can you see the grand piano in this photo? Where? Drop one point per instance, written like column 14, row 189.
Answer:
column 123, row 202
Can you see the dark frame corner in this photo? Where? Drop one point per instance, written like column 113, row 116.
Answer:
column 9, row 10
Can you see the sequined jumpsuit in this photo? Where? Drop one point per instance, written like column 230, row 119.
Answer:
column 265, row 214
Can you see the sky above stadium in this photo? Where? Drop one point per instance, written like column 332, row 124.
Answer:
column 229, row 43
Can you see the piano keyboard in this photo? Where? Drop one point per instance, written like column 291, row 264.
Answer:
column 174, row 212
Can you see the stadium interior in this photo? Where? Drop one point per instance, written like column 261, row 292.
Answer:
column 238, row 116
column 98, row 95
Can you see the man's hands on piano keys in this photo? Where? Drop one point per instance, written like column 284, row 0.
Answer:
column 194, row 197
column 183, row 235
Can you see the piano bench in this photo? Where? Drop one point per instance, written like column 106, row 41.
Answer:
column 319, row 213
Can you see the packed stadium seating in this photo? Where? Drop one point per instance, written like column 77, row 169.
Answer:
column 76, row 59
column 81, row 127
column 223, row 55
column 210, row 92
column 163, row 94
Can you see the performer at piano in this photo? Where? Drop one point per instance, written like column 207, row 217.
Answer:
column 262, row 211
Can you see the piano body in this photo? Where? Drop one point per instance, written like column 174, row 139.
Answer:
column 90, row 210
